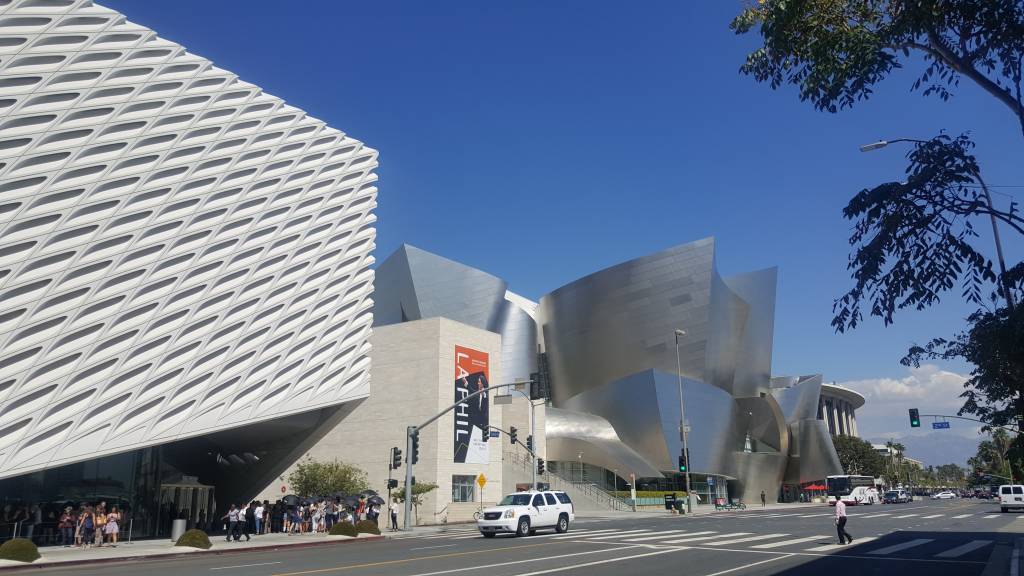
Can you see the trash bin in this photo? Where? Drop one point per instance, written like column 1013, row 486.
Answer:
column 177, row 529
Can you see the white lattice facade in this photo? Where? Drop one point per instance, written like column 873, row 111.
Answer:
column 179, row 252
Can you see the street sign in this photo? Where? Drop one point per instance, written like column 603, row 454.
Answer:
column 481, row 480
column 495, row 433
column 711, row 480
column 937, row 425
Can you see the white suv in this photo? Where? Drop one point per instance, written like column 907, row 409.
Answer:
column 523, row 513
column 1011, row 496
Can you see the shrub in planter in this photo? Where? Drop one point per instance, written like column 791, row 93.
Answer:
column 367, row 527
column 19, row 549
column 344, row 529
column 195, row 539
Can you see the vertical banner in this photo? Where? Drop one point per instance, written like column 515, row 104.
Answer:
column 471, row 416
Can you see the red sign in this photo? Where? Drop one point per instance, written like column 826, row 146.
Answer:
column 283, row 489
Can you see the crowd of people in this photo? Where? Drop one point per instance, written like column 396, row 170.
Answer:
column 311, row 517
column 83, row 526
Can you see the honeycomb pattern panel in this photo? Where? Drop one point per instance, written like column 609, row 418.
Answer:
column 179, row 251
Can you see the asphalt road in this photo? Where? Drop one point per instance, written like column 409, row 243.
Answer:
column 938, row 538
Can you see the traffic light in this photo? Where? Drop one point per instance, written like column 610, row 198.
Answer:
column 529, row 443
column 512, row 435
column 915, row 418
column 540, row 465
column 683, row 463
column 396, row 458
column 392, row 483
column 415, row 456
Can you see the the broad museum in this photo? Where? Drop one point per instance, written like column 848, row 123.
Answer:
column 185, row 272
column 609, row 345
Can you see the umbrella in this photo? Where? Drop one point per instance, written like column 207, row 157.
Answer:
column 368, row 493
column 376, row 500
column 290, row 500
column 351, row 501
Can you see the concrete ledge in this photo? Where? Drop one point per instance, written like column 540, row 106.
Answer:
column 242, row 548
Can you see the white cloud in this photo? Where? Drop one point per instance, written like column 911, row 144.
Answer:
column 932, row 391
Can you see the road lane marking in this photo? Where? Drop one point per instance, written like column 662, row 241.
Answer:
column 244, row 566
column 749, row 565
column 963, row 549
column 932, row 516
column 745, row 539
column 820, row 514
column 610, row 536
column 574, row 534
column 905, row 516
column 830, row 547
column 882, row 514
column 962, row 516
column 408, row 560
column 430, row 547
column 901, row 546
column 663, row 534
column 991, row 516
column 598, row 562
column 788, row 542
column 700, row 538
column 523, row 561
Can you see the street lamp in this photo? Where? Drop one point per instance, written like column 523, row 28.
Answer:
column 988, row 199
column 682, row 423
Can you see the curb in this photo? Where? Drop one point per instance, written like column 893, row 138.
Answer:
column 1004, row 559
column 169, row 555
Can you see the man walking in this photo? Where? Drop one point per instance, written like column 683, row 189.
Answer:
column 841, row 523
column 247, row 520
column 232, row 518
column 762, row 499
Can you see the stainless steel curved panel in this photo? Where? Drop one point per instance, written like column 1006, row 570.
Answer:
column 798, row 396
column 569, row 433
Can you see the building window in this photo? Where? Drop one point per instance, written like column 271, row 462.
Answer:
column 463, row 488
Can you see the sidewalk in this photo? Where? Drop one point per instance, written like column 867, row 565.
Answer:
column 147, row 549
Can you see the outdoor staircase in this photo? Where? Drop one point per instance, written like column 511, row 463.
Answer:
column 585, row 495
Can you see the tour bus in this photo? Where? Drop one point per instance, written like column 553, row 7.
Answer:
column 852, row 490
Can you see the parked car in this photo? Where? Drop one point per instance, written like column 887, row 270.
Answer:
column 895, row 497
column 944, row 495
column 1011, row 496
column 522, row 513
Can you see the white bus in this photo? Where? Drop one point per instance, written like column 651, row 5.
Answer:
column 852, row 490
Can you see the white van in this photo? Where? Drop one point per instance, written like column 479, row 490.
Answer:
column 1011, row 496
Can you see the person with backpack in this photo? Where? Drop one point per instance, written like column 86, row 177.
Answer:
column 87, row 527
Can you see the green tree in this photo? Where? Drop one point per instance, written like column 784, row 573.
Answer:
column 419, row 490
column 313, row 478
column 858, row 456
column 837, row 51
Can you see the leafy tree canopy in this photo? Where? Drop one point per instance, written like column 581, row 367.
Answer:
column 836, row 51
column 858, row 456
column 313, row 478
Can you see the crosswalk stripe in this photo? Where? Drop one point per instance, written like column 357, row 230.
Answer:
column 617, row 535
column 990, row 516
column 878, row 515
column 813, row 515
column 663, row 534
column 691, row 538
column 932, row 516
column 963, row 549
column 901, row 546
column 788, row 542
column 906, row 516
column 962, row 516
column 830, row 547
column 745, row 539
column 576, row 533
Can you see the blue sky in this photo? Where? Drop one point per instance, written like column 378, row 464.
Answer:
column 542, row 141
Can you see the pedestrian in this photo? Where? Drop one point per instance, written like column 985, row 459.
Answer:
column 87, row 527
column 232, row 518
column 361, row 508
column 394, row 515
column 111, row 529
column 841, row 523
column 247, row 519
column 762, row 499
column 100, row 521
column 66, row 524
column 258, row 514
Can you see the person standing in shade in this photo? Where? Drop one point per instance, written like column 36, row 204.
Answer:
column 246, row 520
column 259, row 518
column 762, row 499
column 841, row 523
